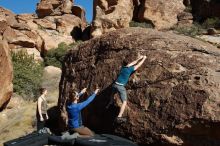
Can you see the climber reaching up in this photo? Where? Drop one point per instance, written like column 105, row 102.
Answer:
column 74, row 113
column 119, row 85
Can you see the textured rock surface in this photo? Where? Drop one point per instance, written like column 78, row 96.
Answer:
column 6, row 75
column 110, row 15
column 54, row 7
column 35, row 34
column 185, row 19
column 175, row 92
column 52, row 38
column 67, row 23
column 42, row 34
column 206, row 8
column 211, row 39
column 160, row 13
column 185, row 16
column 80, row 12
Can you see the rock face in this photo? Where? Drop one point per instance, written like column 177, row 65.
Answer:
column 185, row 19
column 6, row 75
column 160, row 13
column 213, row 39
column 54, row 24
column 111, row 15
column 172, row 98
column 80, row 12
column 206, row 8
column 54, row 7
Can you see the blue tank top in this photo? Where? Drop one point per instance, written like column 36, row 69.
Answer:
column 124, row 75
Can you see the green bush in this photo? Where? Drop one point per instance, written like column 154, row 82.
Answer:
column 195, row 29
column 211, row 23
column 54, row 57
column 141, row 24
column 27, row 75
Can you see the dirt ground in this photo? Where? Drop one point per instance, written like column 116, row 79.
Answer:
column 18, row 119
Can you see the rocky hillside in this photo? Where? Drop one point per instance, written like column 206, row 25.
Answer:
column 172, row 98
column 162, row 15
column 54, row 22
column 114, row 14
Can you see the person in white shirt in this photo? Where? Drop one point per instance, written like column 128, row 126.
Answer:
column 41, row 113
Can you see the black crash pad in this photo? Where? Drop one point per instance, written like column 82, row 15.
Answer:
column 97, row 140
column 33, row 139
column 104, row 140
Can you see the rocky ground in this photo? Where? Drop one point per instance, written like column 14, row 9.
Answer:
column 55, row 22
column 18, row 119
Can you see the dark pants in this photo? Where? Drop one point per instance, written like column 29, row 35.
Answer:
column 41, row 124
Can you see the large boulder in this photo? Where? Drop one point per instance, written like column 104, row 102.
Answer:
column 6, row 89
column 56, row 29
column 80, row 12
column 22, row 38
column 111, row 15
column 67, row 23
column 205, row 8
column 67, row 6
column 46, row 7
column 19, row 32
column 45, row 23
column 173, row 97
column 52, row 38
column 6, row 19
column 185, row 19
column 29, row 20
column 7, row 15
column 162, row 14
column 54, row 7
column 42, row 34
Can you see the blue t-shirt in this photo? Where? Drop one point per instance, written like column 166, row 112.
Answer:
column 74, row 112
column 124, row 75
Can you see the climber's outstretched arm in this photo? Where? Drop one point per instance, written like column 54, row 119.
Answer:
column 140, row 63
column 135, row 62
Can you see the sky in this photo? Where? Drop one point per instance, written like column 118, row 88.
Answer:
column 29, row 6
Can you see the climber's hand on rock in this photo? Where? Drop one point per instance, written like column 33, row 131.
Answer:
column 96, row 91
column 84, row 90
